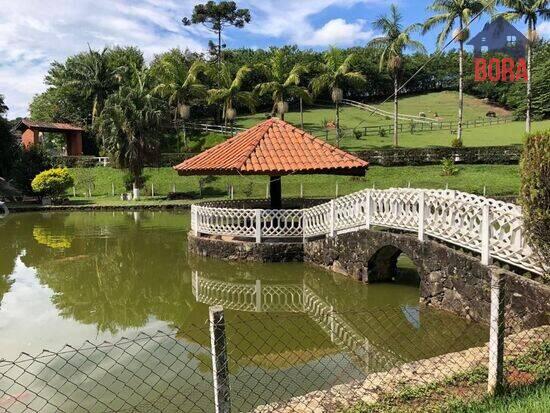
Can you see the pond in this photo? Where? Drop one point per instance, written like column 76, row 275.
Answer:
column 66, row 278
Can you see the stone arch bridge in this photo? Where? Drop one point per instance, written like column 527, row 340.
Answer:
column 452, row 237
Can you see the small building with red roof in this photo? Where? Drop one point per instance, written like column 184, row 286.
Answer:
column 32, row 132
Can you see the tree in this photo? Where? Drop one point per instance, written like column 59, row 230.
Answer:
column 8, row 145
column 529, row 11
column 129, row 124
column 535, row 194
column 216, row 17
column 449, row 12
column 89, row 73
column 336, row 74
column 393, row 43
column 283, row 80
column 230, row 93
column 180, row 84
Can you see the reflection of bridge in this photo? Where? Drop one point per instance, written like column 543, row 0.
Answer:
column 3, row 210
column 294, row 298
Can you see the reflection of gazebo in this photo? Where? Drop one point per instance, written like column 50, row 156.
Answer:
column 274, row 148
column 31, row 132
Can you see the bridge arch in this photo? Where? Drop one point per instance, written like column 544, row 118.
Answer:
column 391, row 263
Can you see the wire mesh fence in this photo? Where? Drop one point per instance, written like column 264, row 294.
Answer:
column 299, row 357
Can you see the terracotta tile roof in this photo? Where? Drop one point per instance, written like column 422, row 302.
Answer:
column 48, row 127
column 273, row 147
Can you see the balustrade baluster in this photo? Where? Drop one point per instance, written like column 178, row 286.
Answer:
column 486, row 235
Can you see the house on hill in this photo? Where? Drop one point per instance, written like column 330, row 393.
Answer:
column 499, row 36
column 32, row 134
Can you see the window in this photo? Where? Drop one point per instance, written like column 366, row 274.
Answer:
column 484, row 49
column 483, row 39
column 511, row 41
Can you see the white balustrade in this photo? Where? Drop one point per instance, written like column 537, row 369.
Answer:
column 487, row 226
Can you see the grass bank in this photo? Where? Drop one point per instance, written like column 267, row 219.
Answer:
column 528, row 390
column 499, row 180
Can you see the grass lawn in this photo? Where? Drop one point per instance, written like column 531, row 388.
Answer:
column 498, row 179
column 444, row 103
column 535, row 399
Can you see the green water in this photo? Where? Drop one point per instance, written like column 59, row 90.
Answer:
column 70, row 277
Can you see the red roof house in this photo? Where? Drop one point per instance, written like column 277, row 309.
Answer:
column 31, row 132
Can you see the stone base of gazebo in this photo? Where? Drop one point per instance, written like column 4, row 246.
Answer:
column 234, row 249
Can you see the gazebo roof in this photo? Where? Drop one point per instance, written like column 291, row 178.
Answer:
column 47, row 126
column 274, row 148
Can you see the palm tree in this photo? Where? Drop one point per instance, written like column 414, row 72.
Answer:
column 283, row 81
column 180, row 84
column 230, row 94
column 335, row 74
column 449, row 12
column 129, row 123
column 529, row 11
column 394, row 42
column 95, row 77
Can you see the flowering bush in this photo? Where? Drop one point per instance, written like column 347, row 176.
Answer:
column 53, row 183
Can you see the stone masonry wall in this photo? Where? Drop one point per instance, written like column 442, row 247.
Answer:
column 232, row 250
column 449, row 279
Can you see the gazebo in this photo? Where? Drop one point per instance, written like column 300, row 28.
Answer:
column 31, row 134
column 274, row 148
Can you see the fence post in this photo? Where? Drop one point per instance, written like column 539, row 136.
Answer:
column 496, row 334
column 153, row 190
column 258, row 292
column 485, row 235
column 301, row 189
column 258, row 226
column 336, row 190
column 220, row 371
column 267, row 191
column 332, row 225
column 421, row 215
column 368, row 210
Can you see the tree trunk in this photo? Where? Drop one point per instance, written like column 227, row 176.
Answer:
column 529, row 92
column 338, row 124
column 302, row 113
column 395, row 111
column 460, row 87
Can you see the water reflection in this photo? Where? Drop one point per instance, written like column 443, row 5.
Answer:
column 100, row 275
column 70, row 277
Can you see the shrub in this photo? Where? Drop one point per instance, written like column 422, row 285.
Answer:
column 457, row 143
column 357, row 134
column 449, row 167
column 30, row 163
column 422, row 114
column 491, row 114
column 535, row 192
column 53, row 183
column 382, row 132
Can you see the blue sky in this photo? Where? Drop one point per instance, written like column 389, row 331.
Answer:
column 35, row 32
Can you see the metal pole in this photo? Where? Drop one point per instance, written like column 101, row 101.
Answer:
column 220, row 370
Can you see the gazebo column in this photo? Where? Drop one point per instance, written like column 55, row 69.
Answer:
column 275, row 192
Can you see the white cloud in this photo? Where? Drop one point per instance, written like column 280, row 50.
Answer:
column 543, row 30
column 338, row 32
column 33, row 33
